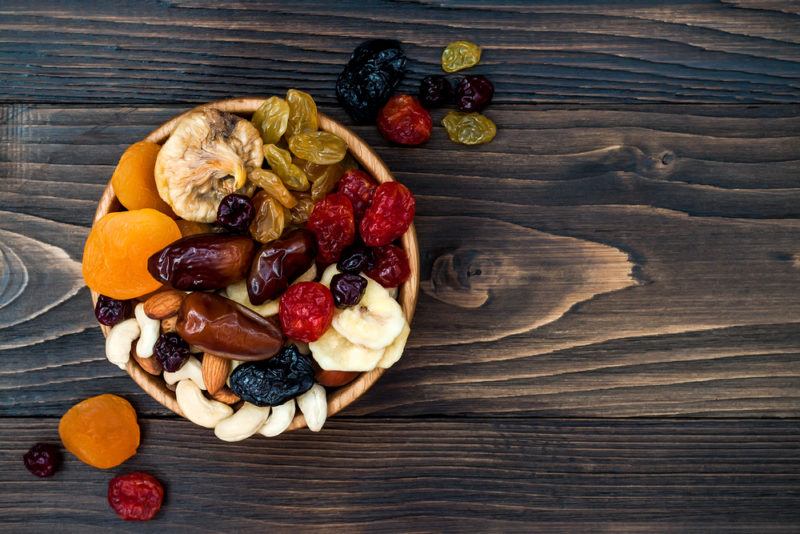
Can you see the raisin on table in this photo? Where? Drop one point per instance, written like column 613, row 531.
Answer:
column 460, row 55
column 469, row 128
column 473, row 93
column 435, row 91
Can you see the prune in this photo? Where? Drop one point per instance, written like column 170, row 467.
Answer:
column 205, row 261
column 322, row 148
column 435, row 91
column 356, row 259
column 227, row 329
column 359, row 187
column 274, row 381
column 347, row 289
column 135, row 496
column 111, row 311
column 235, row 212
column 391, row 266
column 306, row 310
column 42, row 459
column 333, row 223
column 171, row 351
column 389, row 216
column 278, row 262
column 403, row 120
column 460, row 55
column 473, row 93
column 271, row 119
column 270, row 219
column 302, row 113
column 375, row 69
column 469, row 128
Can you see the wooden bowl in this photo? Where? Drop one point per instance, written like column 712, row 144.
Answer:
column 340, row 398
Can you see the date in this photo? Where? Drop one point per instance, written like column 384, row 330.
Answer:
column 278, row 262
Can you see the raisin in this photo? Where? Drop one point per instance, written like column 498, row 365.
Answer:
column 326, row 182
column 171, row 351
column 347, row 289
column 322, row 148
column 43, row 459
column 111, row 311
column 280, row 161
column 271, row 119
column 403, row 120
column 460, row 55
column 235, row 212
column 302, row 113
column 306, row 311
column 356, row 259
column 300, row 212
column 435, row 91
column 391, row 266
column 359, row 187
column 389, row 216
column 473, row 93
column 272, row 382
column 375, row 69
column 273, row 185
column 270, row 219
column 469, row 128
column 333, row 224
column 135, row 496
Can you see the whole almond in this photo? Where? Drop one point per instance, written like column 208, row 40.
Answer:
column 169, row 324
column 164, row 304
column 150, row 365
column 215, row 371
column 226, row 395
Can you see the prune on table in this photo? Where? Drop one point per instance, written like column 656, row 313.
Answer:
column 322, row 148
column 306, row 311
column 403, row 120
column 111, row 311
column 271, row 119
column 347, row 289
column 460, row 55
column 389, row 215
column 43, row 459
column 235, row 212
column 171, row 351
column 359, row 187
column 356, row 259
column 333, row 223
column 272, row 382
column 375, row 69
column 473, row 93
column 435, row 91
column 135, row 496
column 204, row 261
column 469, row 128
column 278, row 262
column 391, row 266
column 270, row 219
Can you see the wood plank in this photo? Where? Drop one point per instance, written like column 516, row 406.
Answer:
column 402, row 475
column 194, row 51
column 606, row 261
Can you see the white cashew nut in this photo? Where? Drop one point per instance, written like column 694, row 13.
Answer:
column 279, row 420
column 192, row 369
column 314, row 405
column 307, row 276
column 243, row 424
column 198, row 409
column 119, row 341
column 150, row 330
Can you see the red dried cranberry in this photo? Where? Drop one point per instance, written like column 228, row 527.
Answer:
column 435, row 91
column 236, row 212
column 136, row 496
column 306, row 310
column 111, row 311
column 389, row 216
column 42, row 459
column 403, row 120
column 347, row 289
column 333, row 224
column 473, row 93
column 391, row 266
column 359, row 187
column 356, row 259
column 171, row 351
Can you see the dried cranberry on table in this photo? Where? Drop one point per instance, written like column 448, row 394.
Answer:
column 333, row 223
column 359, row 187
column 391, row 266
column 356, row 259
column 306, row 311
column 347, row 289
column 272, row 382
column 435, row 91
column 111, row 311
column 389, row 216
column 43, row 459
column 171, row 351
column 473, row 93
column 403, row 120
column 135, row 496
column 236, row 212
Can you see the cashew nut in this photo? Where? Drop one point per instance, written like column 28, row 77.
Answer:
column 243, row 424
column 150, row 330
column 198, row 409
column 119, row 341
column 238, row 293
column 279, row 420
column 393, row 352
column 192, row 369
column 314, row 405
column 307, row 276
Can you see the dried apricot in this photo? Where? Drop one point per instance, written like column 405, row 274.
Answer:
column 116, row 252
column 101, row 431
column 134, row 180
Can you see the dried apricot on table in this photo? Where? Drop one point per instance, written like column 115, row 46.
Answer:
column 101, row 431
column 134, row 180
column 116, row 252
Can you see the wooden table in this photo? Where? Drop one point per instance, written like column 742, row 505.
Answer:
column 607, row 335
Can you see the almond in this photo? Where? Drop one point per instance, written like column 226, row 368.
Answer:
column 226, row 395
column 169, row 325
column 215, row 372
column 164, row 304
column 150, row 365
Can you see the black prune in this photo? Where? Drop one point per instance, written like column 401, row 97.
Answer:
column 111, row 311
column 356, row 259
column 171, row 351
column 375, row 69
column 236, row 212
column 272, row 382
column 347, row 289
column 473, row 93
column 435, row 91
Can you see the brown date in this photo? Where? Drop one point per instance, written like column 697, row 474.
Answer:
column 227, row 329
column 276, row 263
column 203, row 261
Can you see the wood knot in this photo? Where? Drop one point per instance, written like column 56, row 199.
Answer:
column 461, row 278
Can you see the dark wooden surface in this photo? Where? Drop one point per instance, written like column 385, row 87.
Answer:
column 607, row 336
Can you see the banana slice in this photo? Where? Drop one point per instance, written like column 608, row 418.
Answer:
column 333, row 352
column 327, row 274
column 374, row 322
column 237, row 292
column 393, row 352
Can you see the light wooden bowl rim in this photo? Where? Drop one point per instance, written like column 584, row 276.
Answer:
column 342, row 397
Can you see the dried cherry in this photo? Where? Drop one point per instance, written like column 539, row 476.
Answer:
column 171, row 351
column 333, row 224
column 111, row 311
column 359, row 187
column 435, row 91
column 356, row 259
column 236, row 212
column 135, row 496
column 403, row 120
column 347, row 289
column 389, row 216
column 306, row 311
column 42, row 459
column 473, row 93
column 272, row 382
column 391, row 266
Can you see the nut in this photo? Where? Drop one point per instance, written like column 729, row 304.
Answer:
column 150, row 365
column 164, row 304
column 243, row 424
column 119, row 341
column 150, row 330
column 191, row 369
column 169, row 324
column 279, row 420
column 215, row 371
column 226, row 395
column 198, row 409
column 314, row 405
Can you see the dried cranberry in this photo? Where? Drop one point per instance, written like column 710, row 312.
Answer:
column 391, row 266
column 111, row 311
column 42, row 459
column 236, row 212
column 333, row 224
column 347, row 289
column 435, row 91
column 359, row 187
column 306, row 310
column 356, row 259
column 403, row 120
column 171, row 351
column 389, row 216
column 473, row 93
column 136, row 496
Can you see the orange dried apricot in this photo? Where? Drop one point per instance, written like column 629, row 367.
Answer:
column 116, row 252
column 101, row 431
column 188, row 228
column 134, row 178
